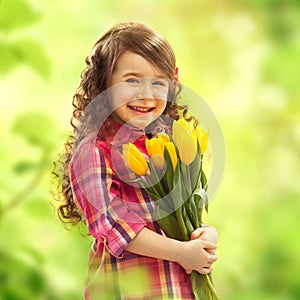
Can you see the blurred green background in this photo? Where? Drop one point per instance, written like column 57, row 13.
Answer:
column 242, row 56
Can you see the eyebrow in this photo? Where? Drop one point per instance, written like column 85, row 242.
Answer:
column 132, row 74
column 136, row 74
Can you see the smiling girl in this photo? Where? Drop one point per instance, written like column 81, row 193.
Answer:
column 128, row 85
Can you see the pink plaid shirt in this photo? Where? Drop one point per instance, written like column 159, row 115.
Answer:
column 115, row 212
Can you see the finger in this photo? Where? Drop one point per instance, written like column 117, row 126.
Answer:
column 197, row 233
column 210, row 251
column 212, row 258
column 209, row 245
column 206, row 270
column 188, row 272
column 209, row 264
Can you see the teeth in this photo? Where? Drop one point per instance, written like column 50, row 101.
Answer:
column 140, row 109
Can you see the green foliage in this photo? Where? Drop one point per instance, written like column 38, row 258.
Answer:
column 280, row 68
column 9, row 59
column 230, row 52
column 37, row 208
column 134, row 282
column 38, row 129
column 16, row 14
column 26, row 51
column 17, row 272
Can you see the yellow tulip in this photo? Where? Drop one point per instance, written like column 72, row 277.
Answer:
column 172, row 151
column 155, row 149
column 184, row 123
column 164, row 137
column 135, row 159
column 184, row 142
column 202, row 137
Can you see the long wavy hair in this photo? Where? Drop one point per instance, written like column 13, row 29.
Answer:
column 100, row 65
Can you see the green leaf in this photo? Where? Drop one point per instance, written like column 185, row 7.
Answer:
column 37, row 208
column 181, row 223
column 16, row 14
column 169, row 175
column 156, row 193
column 155, row 178
column 185, row 184
column 203, row 180
column 195, row 168
column 32, row 53
column 201, row 193
column 168, row 224
column 24, row 167
column 185, row 177
column 8, row 59
column 177, row 191
column 37, row 128
column 194, row 211
column 28, row 276
column 26, row 51
column 152, row 193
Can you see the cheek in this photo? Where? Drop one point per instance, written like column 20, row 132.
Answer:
column 120, row 96
column 161, row 106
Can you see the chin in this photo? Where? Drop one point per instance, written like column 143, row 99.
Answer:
column 141, row 124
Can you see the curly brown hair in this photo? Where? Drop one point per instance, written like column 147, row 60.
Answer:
column 100, row 64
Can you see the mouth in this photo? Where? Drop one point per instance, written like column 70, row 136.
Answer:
column 141, row 109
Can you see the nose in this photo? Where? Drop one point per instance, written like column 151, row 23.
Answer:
column 145, row 91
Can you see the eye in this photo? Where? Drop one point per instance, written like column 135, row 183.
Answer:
column 132, row 80
column 159, row 82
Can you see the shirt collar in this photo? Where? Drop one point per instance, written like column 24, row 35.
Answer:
column 117, row 133
column 123, row 133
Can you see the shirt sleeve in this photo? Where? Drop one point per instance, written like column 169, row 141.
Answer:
column 97, row 191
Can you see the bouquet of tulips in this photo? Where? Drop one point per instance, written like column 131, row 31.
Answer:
column 174, row 178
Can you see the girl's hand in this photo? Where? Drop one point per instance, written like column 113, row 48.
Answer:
column 206, row 233
column 209, row 234
column 196, row 255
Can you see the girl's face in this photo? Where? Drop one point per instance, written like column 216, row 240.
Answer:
column 138, row 91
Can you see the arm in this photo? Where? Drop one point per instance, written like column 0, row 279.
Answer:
column 97, row 194
column 191, row 255
column 109, row 220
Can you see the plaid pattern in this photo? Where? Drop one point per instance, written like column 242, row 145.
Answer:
column 115, row 212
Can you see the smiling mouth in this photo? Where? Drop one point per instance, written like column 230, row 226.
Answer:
column 141, row 109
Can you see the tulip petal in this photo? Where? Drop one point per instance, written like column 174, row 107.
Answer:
column 184, row 143
column 134, row 159
column 172, row 152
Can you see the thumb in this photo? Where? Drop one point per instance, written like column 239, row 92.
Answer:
column 197, row 233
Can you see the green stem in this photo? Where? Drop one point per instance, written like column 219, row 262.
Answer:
column 203, row 288
column 156, row 181
column 199, row 210
column 186, row 182
column 194, row 209
column 189, row 226
column 212, row 288
column 181, row 223
column 190, row 212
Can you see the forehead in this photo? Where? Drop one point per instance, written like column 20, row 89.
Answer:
column 130, row 62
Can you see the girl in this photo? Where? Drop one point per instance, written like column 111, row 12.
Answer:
column 127, row 92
